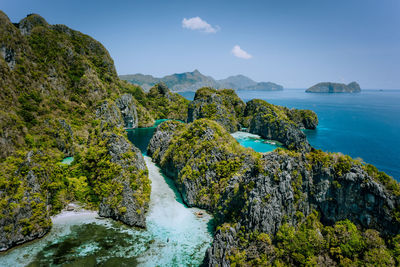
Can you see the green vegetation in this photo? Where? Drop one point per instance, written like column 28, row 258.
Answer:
column 341, row 163
column 381, row 177
column 163, row 104
column 313, row 244
column 207, row 156
column 222, row 106
column 48, row 106
column 106, row 177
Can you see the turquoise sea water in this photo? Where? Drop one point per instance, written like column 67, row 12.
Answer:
column 255, row 142
column 140, row 137
column 365, row 125
column 67, row 160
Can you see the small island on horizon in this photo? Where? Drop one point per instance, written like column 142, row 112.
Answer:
column 329, row 87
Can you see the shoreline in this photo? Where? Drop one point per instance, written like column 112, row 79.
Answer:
column 57, row 220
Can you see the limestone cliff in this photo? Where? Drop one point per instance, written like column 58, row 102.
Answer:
column 60, row 96
column 24, row 214
column 222, row 106
column 201, row 157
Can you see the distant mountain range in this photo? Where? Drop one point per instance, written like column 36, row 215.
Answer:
column 191, row 81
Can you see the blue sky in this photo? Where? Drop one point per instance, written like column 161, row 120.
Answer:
column 293, row 43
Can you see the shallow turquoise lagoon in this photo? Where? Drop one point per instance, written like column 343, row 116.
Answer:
column 67, row 160
column 255, row 142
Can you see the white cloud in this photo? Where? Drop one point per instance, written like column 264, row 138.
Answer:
column 240, row 53
column 196, row 23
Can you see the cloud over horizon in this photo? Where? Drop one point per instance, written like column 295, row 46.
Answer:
column 240, row 53
column 196, row 23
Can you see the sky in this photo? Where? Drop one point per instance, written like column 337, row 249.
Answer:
column 293, row 43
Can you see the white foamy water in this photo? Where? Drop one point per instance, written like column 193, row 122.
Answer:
column 181, row 238
column 245, row 135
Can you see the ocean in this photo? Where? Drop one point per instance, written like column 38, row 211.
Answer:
column 363, row 125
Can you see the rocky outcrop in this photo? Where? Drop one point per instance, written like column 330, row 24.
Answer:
column 127, row 107
column 9, row 56
column 129, row 202
column 24, row 216
column 121, row 113
column 338, row 194
column 201, row 157
column 222, row 106
column 32, row 20
column 64, row 138
column 109, row 113
column 129, row 209
column 272, row 122
column 161, row 139
column 164, row 104
column 304, row 118
column 328, row 87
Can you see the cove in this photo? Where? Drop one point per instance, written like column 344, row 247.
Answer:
column 255, row 142
column 174, row 236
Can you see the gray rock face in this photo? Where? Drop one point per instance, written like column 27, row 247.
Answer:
column 199, row 108
column 64, row 138
column 286, row 133
column 196, row 190
column 9, row 56
column 304, row 118
column 161, row 139
column 32, row 20
column 109, row 113
column 218, row 106
column 122, row 113
column 134, row 215
column 328, row 87
column 25, row 220
column 224, row 242
column 286, row 186
column 127, row 107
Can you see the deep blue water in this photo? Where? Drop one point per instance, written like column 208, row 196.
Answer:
column 140, row 137
column 365, row 125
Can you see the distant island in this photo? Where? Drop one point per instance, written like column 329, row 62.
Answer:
column 191, row 81
column 328, row 87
